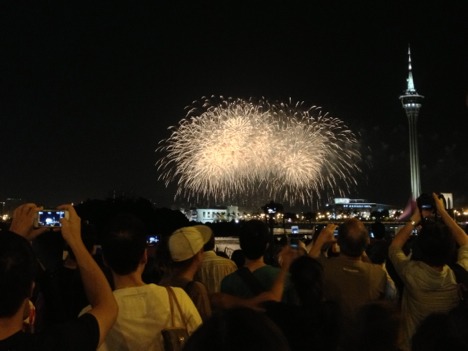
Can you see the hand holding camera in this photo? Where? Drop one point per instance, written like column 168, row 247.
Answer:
column 23, row 220
column 439, row 202
column 71, row 225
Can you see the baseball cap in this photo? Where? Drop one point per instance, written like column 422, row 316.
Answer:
column 186, row 242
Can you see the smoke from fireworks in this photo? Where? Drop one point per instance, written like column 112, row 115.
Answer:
column 225, row 149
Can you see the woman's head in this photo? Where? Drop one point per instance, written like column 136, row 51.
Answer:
column 306, row 276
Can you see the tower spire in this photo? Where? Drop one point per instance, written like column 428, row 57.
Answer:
column 410, row 89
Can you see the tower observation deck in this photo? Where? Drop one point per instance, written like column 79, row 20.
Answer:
column 411, row 102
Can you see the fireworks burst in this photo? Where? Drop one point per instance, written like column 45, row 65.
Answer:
column 225, row 149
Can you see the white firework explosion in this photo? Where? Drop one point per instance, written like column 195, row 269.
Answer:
column 232, row 147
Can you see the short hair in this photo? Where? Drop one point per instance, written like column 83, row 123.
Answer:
column 254, row 238
column 237, row 329
column 353, row 237
column 435, row 244
column 18, row 266
column 124, row 244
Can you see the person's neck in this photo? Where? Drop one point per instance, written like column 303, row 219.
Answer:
column 189, row 273
column 12, row 325
column 254, row 264
column 349, row 258
column 128, row 281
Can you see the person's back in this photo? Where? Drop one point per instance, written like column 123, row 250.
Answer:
column 144, row 309
column 352, row 283
column 213, row 268
column 430, row 285
column 143, row 312
column 254, row 239
column 346, row 278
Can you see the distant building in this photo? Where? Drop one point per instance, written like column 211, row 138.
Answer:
column 343, row 208
column 216, row 214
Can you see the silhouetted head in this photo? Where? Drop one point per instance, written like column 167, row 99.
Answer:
column 254, row 238
column 238, row 257
column 435, row 244
column 438, row 332
column 124, row 244
column 353, row 237
column 378, row 327
column 378, row 229
column 306, row 277
column 18, row 266
column 237, row 329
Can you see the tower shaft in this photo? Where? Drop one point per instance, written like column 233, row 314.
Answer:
column 411, row 102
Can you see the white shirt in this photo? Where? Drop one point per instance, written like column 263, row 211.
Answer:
column 426, row 290
column 143, row 312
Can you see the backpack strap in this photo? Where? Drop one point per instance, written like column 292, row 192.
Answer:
column 255, row 286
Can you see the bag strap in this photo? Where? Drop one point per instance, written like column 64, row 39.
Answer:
column 171, row 292
column 255, row 286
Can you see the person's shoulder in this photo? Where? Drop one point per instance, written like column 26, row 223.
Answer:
column 267, row 269
column 230, row 281
column 19, row 341
column 195, row 285
column 231, row 277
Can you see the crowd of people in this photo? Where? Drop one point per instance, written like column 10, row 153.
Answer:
column 339, row 292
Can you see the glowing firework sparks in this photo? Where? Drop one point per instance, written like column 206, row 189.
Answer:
column 236, row 146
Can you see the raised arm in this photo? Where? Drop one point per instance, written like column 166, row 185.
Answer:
column 404, row 233
column 98, row 291
column 458, row 234
column 325, row 236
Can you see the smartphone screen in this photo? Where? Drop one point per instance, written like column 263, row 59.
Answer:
column 294, row 241
column 50, row 218
column 152, row 239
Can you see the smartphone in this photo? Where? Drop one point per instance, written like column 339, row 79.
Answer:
column 295, row 229
column 152, row 239
column 49, row 218
column 294, row 241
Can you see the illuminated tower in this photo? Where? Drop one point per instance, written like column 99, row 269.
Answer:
column 411, row 102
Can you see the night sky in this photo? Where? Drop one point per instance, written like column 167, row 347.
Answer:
column 89, row 88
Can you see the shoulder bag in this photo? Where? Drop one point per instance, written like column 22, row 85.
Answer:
column 174, row 337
